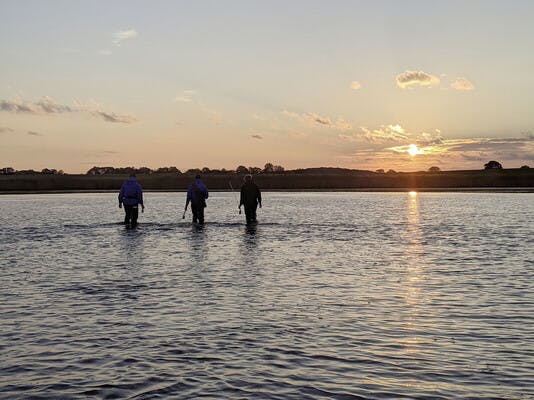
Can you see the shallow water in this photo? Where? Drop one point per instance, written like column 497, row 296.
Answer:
column 330, row 296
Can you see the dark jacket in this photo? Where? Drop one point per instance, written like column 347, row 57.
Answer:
column 131, row 193
column 250, row 195
column 197, row 193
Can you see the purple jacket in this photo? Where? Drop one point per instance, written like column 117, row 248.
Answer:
column 131, row 193
column 197, row 189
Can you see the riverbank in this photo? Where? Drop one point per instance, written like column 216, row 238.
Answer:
column 346, row 190
column 485, row 180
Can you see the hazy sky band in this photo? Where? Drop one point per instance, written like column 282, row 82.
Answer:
column 311, row 83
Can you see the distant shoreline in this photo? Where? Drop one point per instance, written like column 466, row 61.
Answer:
column 341, row 190
column 505, row 180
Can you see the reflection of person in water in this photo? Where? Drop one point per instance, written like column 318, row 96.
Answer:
column 250, row 198
column 197, row 193
column 131, row 195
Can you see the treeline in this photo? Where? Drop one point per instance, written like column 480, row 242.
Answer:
column 241, row 169
column 44, row 171
column 305, row 179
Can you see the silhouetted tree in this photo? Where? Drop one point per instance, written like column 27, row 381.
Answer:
column 193, row 171
column 163, row 170
column 380, row 171
column 434, row 169
column 206, row 170
column 144, row 170
column 268, row 168
column 391, row 171
column 278, row 168
column 493, row 165
column 254, row 170
column 525, row 167
column 7, row 170
column 241, row 170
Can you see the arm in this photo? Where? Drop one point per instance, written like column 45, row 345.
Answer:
column 258, row 196
column 189, row 196
column 242, row 196
column 121, row 195
column 140, row 197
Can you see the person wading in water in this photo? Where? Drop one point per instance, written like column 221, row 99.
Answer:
column 197, row 193
column 250, row 198
column 131, row 195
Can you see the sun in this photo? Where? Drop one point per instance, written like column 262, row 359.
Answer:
column 413, row 150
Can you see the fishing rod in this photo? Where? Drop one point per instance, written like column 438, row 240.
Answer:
column 235, row 197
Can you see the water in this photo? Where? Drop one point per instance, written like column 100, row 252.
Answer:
column 331, row 296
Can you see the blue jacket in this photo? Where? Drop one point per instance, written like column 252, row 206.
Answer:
column 197, row 189
column 131, row 193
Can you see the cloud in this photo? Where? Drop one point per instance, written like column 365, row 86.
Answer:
column 339, row 124
column 256, row 137
column 121, row 36
column 462, row 84
column 105, row 52
column 44, row 106
column 186, row 96
column 420, row 78
column 385, row 133
column 453, row 154
column 47, row 106
column 6, row 130
column 32, row 133
column 355, row 85
column 115, row 118
column 430, row 139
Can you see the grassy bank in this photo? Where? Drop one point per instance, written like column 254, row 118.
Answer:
column 292, row 180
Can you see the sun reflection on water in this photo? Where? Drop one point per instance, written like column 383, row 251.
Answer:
column 414, row 274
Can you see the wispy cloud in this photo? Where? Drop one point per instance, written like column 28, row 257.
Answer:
column 355, row 85
column 385, row 133
column 47, row 106
column 256, row 137
column 44, row 106
column 391, row 134
column 339, row 124
column 420, row 78
column 121, row 36
column 462, row 84
column 429, row 139
column 115, row 118
column 33, row 133
column 469, row 153
column 6, row 130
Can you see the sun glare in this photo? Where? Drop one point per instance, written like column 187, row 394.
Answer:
column 413, row 150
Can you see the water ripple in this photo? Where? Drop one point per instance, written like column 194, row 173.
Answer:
column 330, row 296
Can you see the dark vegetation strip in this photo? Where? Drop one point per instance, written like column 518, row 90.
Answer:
column 506, row 178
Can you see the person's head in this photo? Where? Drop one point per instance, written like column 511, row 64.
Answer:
column 197, row 176
column 248, row 178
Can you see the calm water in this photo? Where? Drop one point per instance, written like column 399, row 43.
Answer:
column 331, row 296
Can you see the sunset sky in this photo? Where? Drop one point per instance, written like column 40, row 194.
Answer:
column 298, row 83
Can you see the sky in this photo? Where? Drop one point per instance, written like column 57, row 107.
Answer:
column 403, row 85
